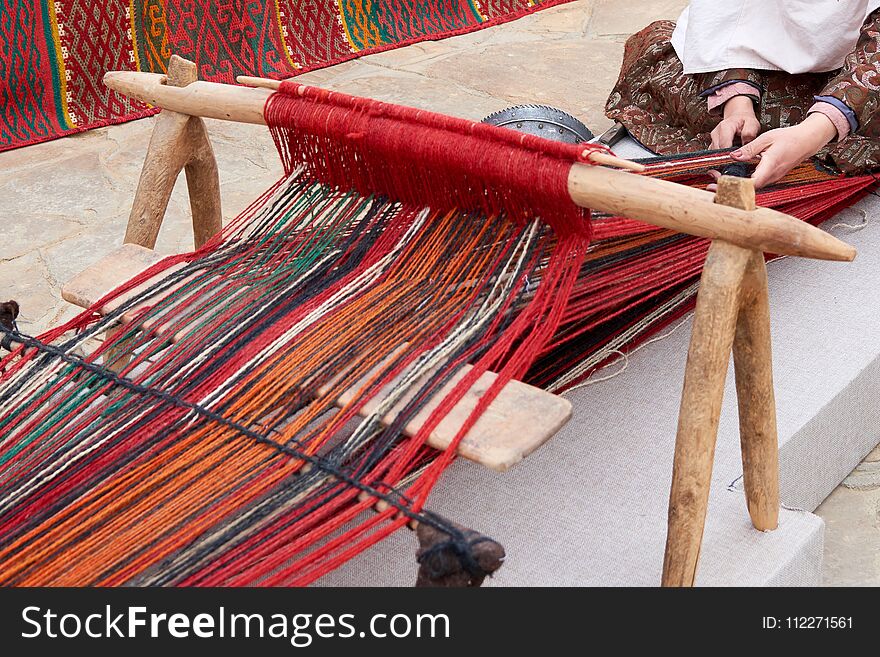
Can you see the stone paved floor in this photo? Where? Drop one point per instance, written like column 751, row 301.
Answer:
column 65, row 203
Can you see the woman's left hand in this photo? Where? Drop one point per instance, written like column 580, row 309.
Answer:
column 781, row 150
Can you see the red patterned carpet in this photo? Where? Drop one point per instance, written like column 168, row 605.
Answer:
column 53, row 53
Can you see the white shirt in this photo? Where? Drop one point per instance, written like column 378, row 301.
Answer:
column 796, row 36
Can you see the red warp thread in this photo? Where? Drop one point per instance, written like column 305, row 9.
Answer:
column 422, row 158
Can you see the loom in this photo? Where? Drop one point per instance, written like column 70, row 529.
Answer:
column 415, row 287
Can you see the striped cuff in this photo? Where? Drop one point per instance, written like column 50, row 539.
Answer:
column 845, row 109
column 758, row 89
column 725, row 92
column 836, row 117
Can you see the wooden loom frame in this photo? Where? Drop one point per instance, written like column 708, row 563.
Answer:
column 732, row 312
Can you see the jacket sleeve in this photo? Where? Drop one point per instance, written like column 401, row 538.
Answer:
column 712, row 82
column 857, row 86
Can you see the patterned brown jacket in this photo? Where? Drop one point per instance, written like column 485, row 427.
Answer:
column 666, row 109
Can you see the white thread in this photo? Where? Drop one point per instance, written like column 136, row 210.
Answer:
column 854, row 227
column 625, row 357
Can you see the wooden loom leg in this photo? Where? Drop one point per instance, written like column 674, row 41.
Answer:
column 163, row 163
column 753, row 364
column 167, row 154
column 711, row 340
column 203, row 183
column 117, row 357
column 733, row 312
column 178, row 141
column 757, row 406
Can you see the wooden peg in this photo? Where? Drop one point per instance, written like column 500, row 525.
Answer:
column 736, row 192
column 615, row 162
column 258, row 83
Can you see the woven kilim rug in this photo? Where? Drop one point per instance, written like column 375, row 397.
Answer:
column 53, row 53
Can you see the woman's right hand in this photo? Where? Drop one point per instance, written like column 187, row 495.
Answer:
column 739, row 121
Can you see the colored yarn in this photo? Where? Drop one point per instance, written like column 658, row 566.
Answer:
column 55, row 52
column 637, row 279
column 189, row 469
column 382, row 263
column 423, row 158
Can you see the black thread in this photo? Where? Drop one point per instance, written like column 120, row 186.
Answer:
column 457, row 537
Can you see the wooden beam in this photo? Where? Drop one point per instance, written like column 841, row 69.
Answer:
column 206, row 99
column 651, row 200
column 694, row 211
column 516, row 423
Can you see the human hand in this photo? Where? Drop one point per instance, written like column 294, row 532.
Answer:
column 739, row 121
column 781, row 150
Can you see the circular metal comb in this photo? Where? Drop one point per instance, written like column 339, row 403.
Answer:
column 543, row 121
